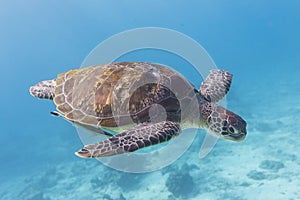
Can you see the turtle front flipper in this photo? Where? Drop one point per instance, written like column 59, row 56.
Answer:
column 138, row 137
column 216, row 85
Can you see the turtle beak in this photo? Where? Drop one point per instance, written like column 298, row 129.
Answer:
column 237, row 137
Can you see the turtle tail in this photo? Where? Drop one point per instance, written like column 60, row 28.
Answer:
column 44, row 89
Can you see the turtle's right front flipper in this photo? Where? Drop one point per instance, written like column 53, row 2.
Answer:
column 138, row 137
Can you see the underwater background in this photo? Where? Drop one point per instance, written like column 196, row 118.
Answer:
column 257, row 41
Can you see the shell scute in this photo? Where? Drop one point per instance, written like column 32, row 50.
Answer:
column 64, row 108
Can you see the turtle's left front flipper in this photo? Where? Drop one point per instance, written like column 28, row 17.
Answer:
column 138, row 137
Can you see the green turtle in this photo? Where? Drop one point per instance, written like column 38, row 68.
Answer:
column 138, row 104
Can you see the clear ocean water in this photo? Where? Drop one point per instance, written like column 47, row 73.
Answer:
column 257, row 41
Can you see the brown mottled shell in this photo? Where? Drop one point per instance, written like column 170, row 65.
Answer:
column 119, row 94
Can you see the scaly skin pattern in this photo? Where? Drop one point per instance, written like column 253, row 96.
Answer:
column 141, row 136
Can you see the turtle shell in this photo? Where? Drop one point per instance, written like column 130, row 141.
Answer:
column 118, row 94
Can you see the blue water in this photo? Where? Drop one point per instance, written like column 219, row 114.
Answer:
column 257, row 41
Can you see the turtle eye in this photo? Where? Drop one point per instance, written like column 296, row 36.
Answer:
column 231, row 129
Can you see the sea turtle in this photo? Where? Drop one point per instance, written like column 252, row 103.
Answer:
column 119, row 98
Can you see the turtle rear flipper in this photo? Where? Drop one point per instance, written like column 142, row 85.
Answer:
column 138, row 137
column 216, row 85
column 43, row 90
column 93, row 129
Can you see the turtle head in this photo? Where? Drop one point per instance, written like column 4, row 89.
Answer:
column 223, row 123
